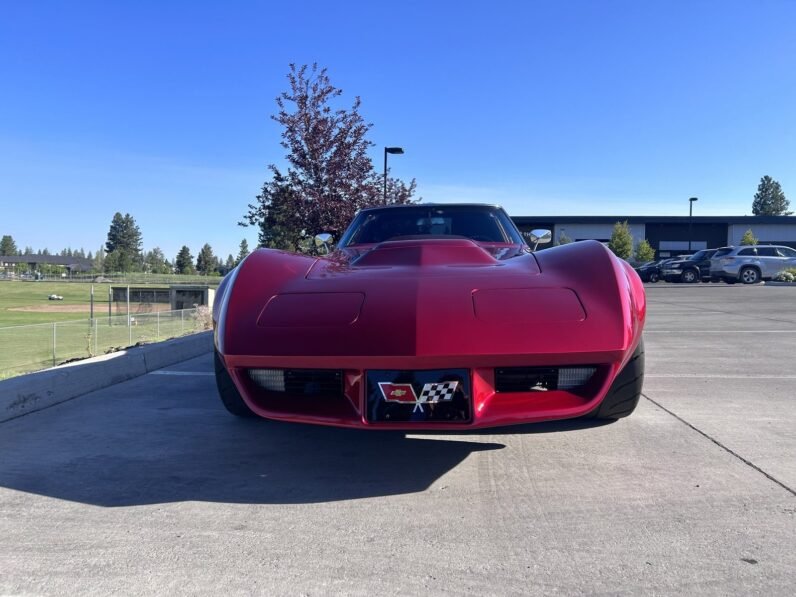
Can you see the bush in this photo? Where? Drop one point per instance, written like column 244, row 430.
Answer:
column 788, row 275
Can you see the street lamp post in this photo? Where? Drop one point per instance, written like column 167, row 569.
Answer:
column 397, row 151
column 690, row 218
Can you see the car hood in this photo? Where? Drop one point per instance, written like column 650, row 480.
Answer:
column 426, row 298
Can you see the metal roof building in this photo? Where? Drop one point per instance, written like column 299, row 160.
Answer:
column 669, row 235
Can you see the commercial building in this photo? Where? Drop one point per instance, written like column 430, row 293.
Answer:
column 669, row 235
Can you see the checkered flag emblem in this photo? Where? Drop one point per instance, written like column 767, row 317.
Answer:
column 436, row 392
column 431, row 393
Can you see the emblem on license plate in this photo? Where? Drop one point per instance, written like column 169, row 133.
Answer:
column 432, row 393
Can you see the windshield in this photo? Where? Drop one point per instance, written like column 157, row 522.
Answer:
column 479, row 223
column 699, row 255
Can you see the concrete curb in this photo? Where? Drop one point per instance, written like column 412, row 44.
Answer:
column 35, row 391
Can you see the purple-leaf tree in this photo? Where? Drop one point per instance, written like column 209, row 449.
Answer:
column 329, row 174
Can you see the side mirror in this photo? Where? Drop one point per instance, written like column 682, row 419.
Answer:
column 540, row 237
column 324, row 241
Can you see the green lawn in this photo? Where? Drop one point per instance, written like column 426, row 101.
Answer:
column 49, row 332
column 23, row 294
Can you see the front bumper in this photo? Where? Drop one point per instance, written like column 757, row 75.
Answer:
column 485, row 406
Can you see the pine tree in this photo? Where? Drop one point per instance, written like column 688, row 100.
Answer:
column 123, row 245
column 206, row 263
column 243, row 252
column 8, row 247
column 183, row 263
column 769, row 199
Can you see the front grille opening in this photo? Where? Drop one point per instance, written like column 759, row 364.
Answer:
column 542, row 379
column 299, row 382
column 311, row 394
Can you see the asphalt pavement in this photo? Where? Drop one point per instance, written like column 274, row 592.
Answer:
column 149, row 487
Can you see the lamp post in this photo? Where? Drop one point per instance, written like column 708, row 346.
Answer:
column 690, row 218
column 397, row 151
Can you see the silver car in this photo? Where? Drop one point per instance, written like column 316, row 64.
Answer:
column 750, row 264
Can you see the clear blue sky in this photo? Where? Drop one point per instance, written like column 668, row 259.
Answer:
column 161, row 109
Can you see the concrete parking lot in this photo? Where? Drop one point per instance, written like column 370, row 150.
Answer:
column 150, row 487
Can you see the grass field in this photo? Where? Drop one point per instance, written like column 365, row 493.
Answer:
column 36, row 333
column 24, row 303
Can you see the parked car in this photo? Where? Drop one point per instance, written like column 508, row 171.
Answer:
column 689, row 269
column 750, row 264
column 650, row 271
column 55, row 297
column 434, row 317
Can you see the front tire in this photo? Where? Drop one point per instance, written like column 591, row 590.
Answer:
column 654, row 277
column 227, row 391
column 690, row 276
column 625, row 392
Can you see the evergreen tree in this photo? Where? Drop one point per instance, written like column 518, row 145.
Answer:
column 243, row 252
column 230, row 263
column 124, row 244
column 621, row 242
column 8, row 247
column 206, row 262
column 155, row 262
column 183, row 263
column 769, row 199
column 98, row 263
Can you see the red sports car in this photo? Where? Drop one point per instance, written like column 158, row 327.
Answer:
column 433, row 317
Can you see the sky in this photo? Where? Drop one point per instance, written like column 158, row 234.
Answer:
column 556, row 107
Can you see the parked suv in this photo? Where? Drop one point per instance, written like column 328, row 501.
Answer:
column 689, row 269
column 750, row 264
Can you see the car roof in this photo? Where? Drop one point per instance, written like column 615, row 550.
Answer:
column 400, row 205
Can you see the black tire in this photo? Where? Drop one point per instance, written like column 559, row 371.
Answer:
column 690, row 276
column 625, row 392
column 229, row 394
column 749, row 275
column 654, row 277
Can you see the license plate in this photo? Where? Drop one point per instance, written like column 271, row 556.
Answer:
column 438, row 395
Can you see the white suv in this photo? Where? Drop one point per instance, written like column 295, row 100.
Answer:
column 750, row 264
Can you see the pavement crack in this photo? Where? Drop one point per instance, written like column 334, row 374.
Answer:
column 723, row 447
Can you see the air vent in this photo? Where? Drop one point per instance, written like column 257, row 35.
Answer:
column 300, row 382
column 541, row 379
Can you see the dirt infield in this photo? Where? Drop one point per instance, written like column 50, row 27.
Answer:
column 98, row 309
column 53, row 309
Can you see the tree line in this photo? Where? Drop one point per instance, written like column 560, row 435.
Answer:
column 123, row 253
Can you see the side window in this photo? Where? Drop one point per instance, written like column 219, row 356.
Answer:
column 786, row 252
column 747, row 252
column 766, row 251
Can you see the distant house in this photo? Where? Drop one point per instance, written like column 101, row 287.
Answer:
column 70, row 264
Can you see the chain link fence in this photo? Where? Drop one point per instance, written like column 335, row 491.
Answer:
column 27, row 348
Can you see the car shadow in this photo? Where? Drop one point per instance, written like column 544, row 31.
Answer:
column 134, row 450
column 253, row 462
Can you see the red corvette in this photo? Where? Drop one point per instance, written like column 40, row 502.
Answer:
column 433, row 317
